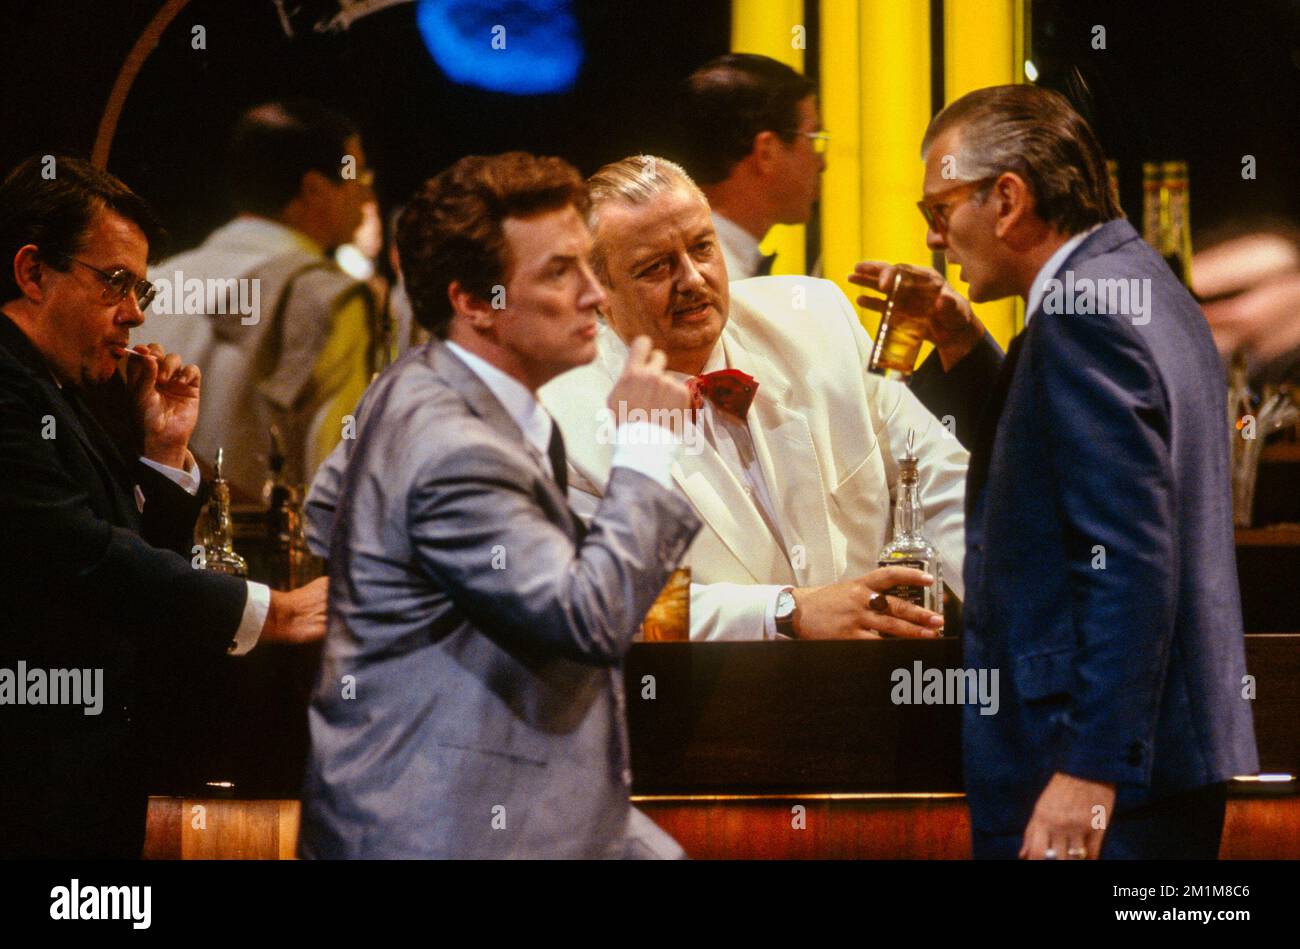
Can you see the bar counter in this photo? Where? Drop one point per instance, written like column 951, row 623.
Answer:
column 767, row 750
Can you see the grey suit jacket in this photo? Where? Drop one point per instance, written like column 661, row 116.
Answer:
column 470, row 701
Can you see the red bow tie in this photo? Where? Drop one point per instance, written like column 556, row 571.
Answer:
column 729, row 389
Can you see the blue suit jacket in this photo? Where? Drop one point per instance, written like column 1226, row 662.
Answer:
column 1105, row 438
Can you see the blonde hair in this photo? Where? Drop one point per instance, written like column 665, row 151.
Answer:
column 634, row 180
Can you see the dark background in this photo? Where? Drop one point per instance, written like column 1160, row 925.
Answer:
column 60, row 60
column 1203, row 82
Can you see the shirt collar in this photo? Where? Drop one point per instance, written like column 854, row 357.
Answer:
column 1037, row 290
column 520, row 404
column 717, row 361
column 263, row 233
column 739, row 245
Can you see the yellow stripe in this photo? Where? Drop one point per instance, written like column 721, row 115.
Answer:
column 775, row 28
column 984, row 45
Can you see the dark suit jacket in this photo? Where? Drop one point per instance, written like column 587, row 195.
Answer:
column 1111, row 440
column 84, row 589
column 963, row 391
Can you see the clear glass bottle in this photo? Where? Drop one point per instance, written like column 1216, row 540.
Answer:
column 908, row 547
column 218, row 535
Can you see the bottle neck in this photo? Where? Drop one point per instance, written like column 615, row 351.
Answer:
column 909, row 519
column 222, row 534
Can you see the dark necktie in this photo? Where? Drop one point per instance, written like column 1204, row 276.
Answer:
column 978, row 470
column 559, row 467
column 765, row 265
column 729, row 389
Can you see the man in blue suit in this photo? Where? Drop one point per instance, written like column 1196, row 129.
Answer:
column 1100, row 575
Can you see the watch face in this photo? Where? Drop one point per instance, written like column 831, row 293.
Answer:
column 784, row 604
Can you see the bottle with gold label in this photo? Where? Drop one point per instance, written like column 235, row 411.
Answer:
column 1176, row 225
column 1112, row 174
column 1151, row 199
column 908, row 547
column 218, row 534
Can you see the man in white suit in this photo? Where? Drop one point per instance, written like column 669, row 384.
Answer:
column 795, row 488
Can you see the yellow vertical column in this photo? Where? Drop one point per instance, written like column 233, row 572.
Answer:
column 841, row 109
column 894, row 89
column 983, row 45
column 775, row 28
column 875, row 100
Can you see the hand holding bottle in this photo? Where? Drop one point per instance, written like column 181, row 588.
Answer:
column 845, row 610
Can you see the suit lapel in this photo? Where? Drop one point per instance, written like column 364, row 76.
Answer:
column 113, row 473
column 727, row 508
column 1107, row 238
column 484, row 404
column 787, row 458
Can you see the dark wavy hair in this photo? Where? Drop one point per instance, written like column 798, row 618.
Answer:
column 452, row 230
column 273, row 145
column 728, row 101
column 52, row 204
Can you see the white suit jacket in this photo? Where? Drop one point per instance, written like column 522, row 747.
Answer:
column 827, row 435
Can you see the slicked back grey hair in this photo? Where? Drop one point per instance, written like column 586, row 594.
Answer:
column 635, row 180
column 1035, row 133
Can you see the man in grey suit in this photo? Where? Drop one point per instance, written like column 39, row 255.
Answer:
column 470, row 701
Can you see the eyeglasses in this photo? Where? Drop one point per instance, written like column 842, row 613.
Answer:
column 820, row 140
column 118, row 283
column 937, row 208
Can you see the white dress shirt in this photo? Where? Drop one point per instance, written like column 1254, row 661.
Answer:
column 1037, row 290
column 730, row 438
column 739, row 248
column 639, row 447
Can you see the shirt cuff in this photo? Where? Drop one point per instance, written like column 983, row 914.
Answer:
column 188, row 480
column 648, row 448
column 769, row 617
column 256, row 607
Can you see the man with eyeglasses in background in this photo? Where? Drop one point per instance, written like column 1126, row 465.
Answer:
column 756, row 148
column 101, row 599
column 299, row 182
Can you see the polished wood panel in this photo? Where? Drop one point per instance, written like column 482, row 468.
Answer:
column 1268, row 564
column 788, row 717
column 860, row 827
column 766, row 717
column 221, row 829
column 863, row 828
column 1274, row 661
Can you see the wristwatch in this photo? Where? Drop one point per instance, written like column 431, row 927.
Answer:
column 785, row 606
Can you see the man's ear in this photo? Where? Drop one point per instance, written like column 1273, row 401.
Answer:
column 765, row 148
column 313, row 183
column 479, row 313
column 28, row 270
column 1013, row 202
